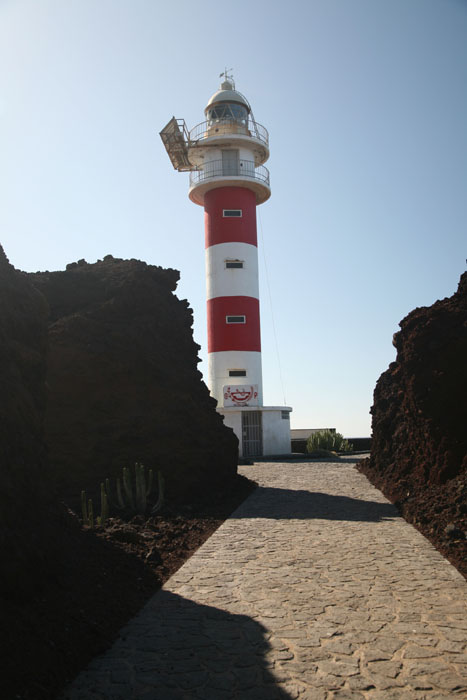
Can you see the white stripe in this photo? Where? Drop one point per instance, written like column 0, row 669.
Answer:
column 219, row 364
column 223, row 282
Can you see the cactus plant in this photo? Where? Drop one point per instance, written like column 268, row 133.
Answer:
column 134, row 500
column 160, row 499
column 328, row 440
column 90, row 514
column 128, row 487
column 142, row 489
column 87, row 509
column 102, row 519
column 127, row 498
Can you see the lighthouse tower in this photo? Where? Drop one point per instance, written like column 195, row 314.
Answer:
column 225, row 156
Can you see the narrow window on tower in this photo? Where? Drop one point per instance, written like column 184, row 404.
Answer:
column 231, row 212
column 234, row 264
column 285, row 415
column 237, row 372
column 235, row 319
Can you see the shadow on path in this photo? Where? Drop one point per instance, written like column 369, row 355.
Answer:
column 176, row 649
column 287, row 504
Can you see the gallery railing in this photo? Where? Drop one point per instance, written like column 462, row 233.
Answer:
column 219, row 127
column 240, row 168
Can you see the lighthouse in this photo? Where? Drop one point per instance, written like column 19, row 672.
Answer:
column 225, row 156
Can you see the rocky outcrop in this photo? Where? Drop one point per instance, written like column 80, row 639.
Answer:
column 98, row 369
column 23, row 339
column 419, row 446
column 420, row 402
column 23, row 491
column 123, row 383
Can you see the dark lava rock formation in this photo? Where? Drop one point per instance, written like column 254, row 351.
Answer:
column 23, row 338
column 123, row 383
column 419, row 446
column 39, row 539
column 98, row 369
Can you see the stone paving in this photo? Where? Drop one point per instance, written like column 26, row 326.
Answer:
column 314, row 589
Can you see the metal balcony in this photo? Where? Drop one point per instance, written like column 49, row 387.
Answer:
column 219, row 168
column 175, row 139
column 221, row 127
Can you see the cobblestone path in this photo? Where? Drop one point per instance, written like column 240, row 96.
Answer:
column 313, row 589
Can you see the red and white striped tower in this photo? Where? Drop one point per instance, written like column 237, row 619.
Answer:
column 230, row 151
column 225, row 155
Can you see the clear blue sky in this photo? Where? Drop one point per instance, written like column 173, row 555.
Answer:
column 366, row 105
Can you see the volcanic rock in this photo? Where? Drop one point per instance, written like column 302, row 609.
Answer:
column 23, row 491
column 420, row 402
column 123, row 383
column 454, row 532
column 419, row 446
column 65, row 591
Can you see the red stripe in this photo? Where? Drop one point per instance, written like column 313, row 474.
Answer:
column 237, row 336
column 220, row 229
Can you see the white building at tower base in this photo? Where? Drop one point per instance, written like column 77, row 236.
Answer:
column 261, row 431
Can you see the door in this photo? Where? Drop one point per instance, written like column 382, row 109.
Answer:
column 230, row 162
column 252, row 433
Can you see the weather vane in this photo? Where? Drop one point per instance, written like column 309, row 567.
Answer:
column 228, row 77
